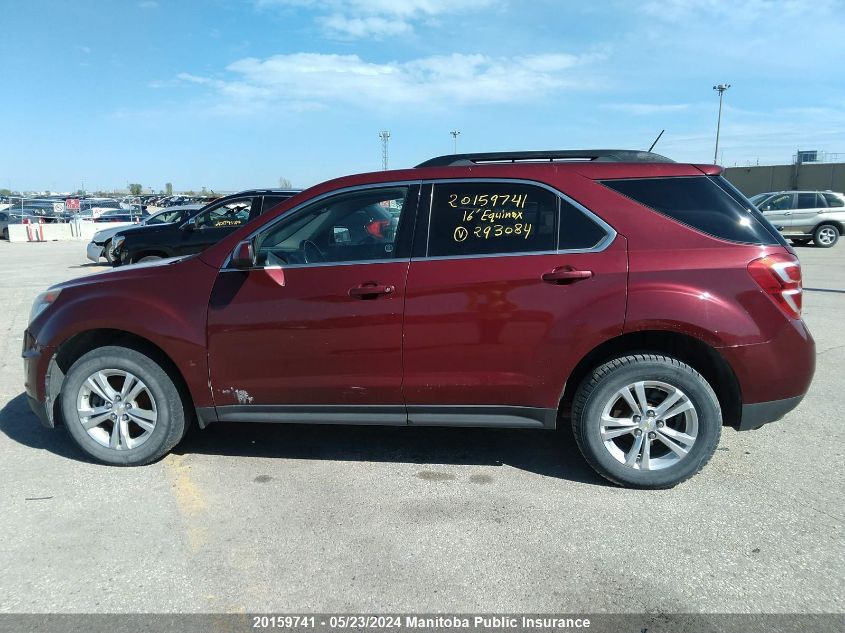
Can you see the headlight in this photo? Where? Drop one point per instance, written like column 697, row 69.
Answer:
column 117, row 243
column 41, row 303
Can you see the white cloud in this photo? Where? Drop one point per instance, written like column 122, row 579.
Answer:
column 371, row 26
column 377, row 18
column 645, row 109
column 314, row 80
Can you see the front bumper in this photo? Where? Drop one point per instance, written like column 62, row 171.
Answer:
column 40, row 410
column 94, row 252
column 42, row 379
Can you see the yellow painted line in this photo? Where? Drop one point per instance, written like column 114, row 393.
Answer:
column 189, row 498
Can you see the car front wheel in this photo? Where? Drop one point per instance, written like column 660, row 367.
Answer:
column 646, row 421
column 107, row 252
column 121, row 407
column 826, row 235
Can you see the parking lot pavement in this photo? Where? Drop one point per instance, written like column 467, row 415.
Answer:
column 288, row 518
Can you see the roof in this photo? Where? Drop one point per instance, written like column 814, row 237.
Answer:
column 546, row 156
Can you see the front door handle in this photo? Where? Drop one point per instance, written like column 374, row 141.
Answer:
column 371, row 291
column 566, row 275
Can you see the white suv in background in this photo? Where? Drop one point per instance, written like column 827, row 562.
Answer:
column 805, row 215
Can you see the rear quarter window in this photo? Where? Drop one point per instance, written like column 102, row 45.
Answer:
column 701, row 203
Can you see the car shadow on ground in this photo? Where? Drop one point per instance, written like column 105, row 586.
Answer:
column 21, row 425
column 547, row 453
column 90, row 265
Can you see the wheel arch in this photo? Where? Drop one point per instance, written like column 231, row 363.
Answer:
column 700, row 355
column 74, row 347
column 840, row 226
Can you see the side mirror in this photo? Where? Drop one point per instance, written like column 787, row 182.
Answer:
column 243, row 257
column 192, row 225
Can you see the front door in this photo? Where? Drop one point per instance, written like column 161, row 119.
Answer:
column 215, row 223
column 778, row 210
column 313, row 333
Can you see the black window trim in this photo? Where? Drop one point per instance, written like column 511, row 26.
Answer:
column 610, row 232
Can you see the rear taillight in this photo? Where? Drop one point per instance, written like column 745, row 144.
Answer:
column 779, row 276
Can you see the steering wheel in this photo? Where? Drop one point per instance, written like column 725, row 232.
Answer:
column 307, row 245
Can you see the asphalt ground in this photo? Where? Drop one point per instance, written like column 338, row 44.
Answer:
column 264, row 518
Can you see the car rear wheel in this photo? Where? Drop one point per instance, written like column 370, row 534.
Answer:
column 121, row 407
column 826, row 235
column 646, row 421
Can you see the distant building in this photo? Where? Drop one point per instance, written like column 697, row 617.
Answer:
column 804, row 173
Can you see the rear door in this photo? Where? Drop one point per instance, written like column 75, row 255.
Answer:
column 805, row 216
column 510, row 284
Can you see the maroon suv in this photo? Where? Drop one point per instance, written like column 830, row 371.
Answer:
column 647, row 301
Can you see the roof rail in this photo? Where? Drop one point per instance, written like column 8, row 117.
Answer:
column 553, row 156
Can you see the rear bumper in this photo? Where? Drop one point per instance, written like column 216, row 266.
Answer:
column 756, row 415
column 779, row 369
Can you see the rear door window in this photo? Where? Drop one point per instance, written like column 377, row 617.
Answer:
column 701, row 203
column 481, row 218
column 808, row 201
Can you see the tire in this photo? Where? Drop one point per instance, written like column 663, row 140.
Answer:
column 801, row 242
column 148, row 258
column 158, row 406
column 825, row 235
column 600, row 393
column 107, row 252
column 6, row 233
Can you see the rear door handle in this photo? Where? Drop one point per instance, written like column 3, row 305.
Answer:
column 562, row 276
column 371, row 291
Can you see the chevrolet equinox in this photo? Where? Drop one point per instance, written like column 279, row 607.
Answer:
column 645, row 301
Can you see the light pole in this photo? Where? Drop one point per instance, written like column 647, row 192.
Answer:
column 455, row 134
column 720, row 88
column 384, row 135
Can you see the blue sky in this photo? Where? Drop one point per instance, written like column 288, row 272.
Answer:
column 233, row 94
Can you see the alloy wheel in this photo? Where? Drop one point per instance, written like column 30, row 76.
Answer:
column 649, row 425
column 116, row 409
column 827, row 235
